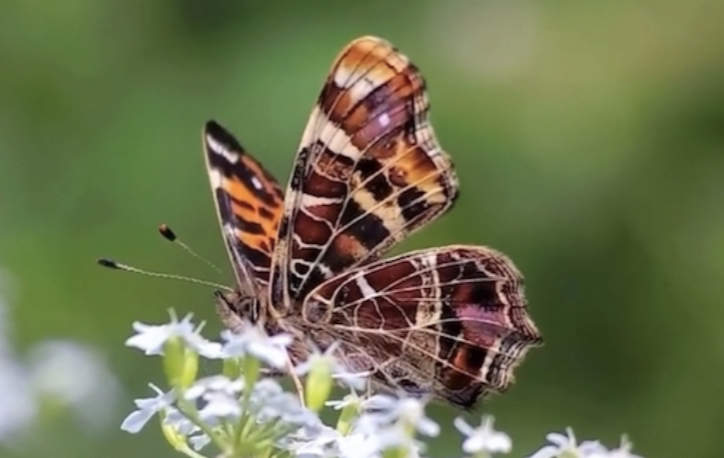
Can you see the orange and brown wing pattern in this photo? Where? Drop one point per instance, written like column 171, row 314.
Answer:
column 249, row 204
column 451, row 321
column 369, row 171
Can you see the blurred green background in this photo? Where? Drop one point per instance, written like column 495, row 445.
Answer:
column 588, row 136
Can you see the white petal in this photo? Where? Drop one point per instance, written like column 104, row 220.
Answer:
column 474, row 444
column 463, row 426
column 499, row 443
column 549, row 451
column 136, row 420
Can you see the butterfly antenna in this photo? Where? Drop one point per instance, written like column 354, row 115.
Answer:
column 111, row 264
column 170, row 235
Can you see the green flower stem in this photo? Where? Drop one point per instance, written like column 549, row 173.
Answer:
column 188, row 451
column 252, row 371
column 192, row 414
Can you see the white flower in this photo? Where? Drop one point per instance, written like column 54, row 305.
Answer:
column 357, row 445
column 18, row 405
column 147, row 408
column 255, row 342
column 220, row 396
column 267, row 388
column 151, row 338
column 380, row 403
column 179, row 421
column 318, row 441
column 566, row 445
column 322, row 444
column 219, row 405
column 77, row 376
column 484, row 437
column 216, row 383
column 339, row 372
column 383, row 410
column 286, row 407
column 412, row 411
column 623, row 451
column 559, row 444
column 349, row 399
column 199, row 441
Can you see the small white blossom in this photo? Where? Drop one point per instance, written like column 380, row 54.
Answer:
column 319, row 440
column 623, row 451
column 76, row 375
column 484, row 437
column 381, row 410
column 412, row 412
column 322, row 444
column 179, row 421
column 350, row 399
column 286, row 407
column 185, row 427
column 355, row 380
column 151, row 338
column 147, row 408
column 267, row 388
column 69, row 374
column 18, row 403
column 255, row 342
column 219, row 395
column 397, row 436
column 199, row 441
column 216, row 383
column 357, row 445
column 568, row 446
column 380, row 403
column 219, row 405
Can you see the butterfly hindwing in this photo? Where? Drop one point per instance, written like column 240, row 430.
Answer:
column 249, row 204
column 369, row 171
column 451, row 320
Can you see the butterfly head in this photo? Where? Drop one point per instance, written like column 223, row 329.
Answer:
column 235, row 309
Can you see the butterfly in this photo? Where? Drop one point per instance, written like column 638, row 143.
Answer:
column 448, row 322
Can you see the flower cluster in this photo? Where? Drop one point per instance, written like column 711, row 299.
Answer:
column 58, row 377
column 242, row 413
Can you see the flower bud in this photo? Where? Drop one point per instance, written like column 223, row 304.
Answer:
column 318, row 384
column 232, row 368
column 180, row 363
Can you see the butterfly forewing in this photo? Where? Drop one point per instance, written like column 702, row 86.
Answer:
column 450, row 321
column 369, row 171
column 249, row 204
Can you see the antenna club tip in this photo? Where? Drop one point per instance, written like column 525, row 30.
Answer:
column 111, row 264
column 166, row 232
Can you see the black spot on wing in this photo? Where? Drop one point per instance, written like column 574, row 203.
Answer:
column 241, row 203
column 265, row 213
column 250, row 227
column 412, row 202
column 377, row 185
column 367, row 228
